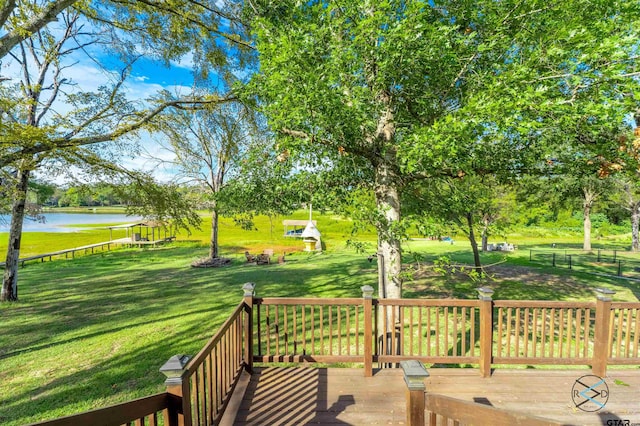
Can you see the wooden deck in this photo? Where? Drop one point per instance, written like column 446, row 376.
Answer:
column 279, row 396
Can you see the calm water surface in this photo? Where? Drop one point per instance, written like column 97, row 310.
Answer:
column 63, row 222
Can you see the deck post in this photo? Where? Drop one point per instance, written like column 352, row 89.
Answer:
column 178, row 387
column 414, row 375
column 367, row 304
column 486, row 330
column 249, row 291
column 602, row 338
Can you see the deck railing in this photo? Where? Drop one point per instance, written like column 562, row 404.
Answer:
column 309, row 330
column 444, row 410
column 142, row 411
column 205, row 384
column 482, row 332
column 366, row 330
column 541, row 332
column 624, row 334
column 429, row 330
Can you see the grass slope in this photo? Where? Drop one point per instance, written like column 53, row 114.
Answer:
column 97, row 332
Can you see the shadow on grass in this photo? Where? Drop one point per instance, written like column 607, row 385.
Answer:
column 94, row 331
column 518, row 279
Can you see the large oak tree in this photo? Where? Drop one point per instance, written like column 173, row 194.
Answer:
column 399, row 91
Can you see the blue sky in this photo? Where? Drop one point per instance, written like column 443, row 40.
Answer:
column 152, row 72
column 147, row 78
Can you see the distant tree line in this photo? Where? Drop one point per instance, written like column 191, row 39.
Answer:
column 51, row 195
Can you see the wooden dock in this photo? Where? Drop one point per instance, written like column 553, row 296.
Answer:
column 140, row 243
column 90, row 249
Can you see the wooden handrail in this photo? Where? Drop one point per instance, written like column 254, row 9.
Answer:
column 118, row 414
column 206, row 350
column 318, row 301
column 467, row 412
column 541, row 304
column 211, row 376
column 625, row 305
column 468, row 303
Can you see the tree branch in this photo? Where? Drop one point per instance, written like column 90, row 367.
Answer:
column 69, row 141
column 5, row 11
column 162, row 6
column 46, row 15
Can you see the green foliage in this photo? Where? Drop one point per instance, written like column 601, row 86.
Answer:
column 42, row 191
column 164, row 203
column 484, row 88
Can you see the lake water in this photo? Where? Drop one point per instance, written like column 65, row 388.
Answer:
column 59, row 222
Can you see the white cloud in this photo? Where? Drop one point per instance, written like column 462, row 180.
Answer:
column 185, row 62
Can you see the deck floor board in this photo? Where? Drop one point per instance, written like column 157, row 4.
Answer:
column 288, row 396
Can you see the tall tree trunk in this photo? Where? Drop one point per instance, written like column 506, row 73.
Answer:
column 10, row 278
column 474, row 244
column 217, row 179
column 388, row 205
column 485, row 234
column 635, row 227
column 587, row 204
column 586, row 245
column 213, row 244
column 387, row 202
column 389, row 253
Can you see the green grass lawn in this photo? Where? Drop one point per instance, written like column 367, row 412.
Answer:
column 94, row 331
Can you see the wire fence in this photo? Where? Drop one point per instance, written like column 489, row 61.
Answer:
column 606, row 262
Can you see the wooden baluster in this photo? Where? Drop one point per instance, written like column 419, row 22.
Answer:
column 627, row 335
column 428, row 309
column 499, row 334
column 518, row 337
column 463, row 330
column 587, row 328
column 534, row 331
column 570, row 323
column 472, row 334
column 357, row 320
column 347, row 310
column 295, row 330
column 561, row 327
column 526, row 332
column 636, row 337
column 543, row 334
column 437, row 334
column 509, row 319
column 411, row 331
